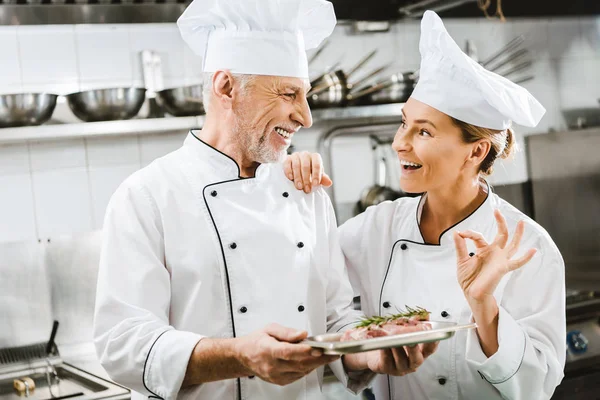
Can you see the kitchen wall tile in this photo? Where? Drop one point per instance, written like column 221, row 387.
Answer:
column 57, row 154
column 103, row 53
column 48, row 58
column 564, row 37
column 16, row 208
column 385, row 43
column 158, row 145
column 354, row 152
column 103, row 182
column 10, row 67
column 119, row 150
column 491, row 35
column 462, row 30
column 164, row 39
column 570, row 71
column 408, row 56
column 590, row 30
column 535, row 32
column 62, row 201
column 14, row 159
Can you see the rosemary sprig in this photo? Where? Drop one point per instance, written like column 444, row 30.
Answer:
column 378, row 320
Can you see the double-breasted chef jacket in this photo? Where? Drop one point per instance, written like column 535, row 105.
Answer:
column 191, row 250
column 390, row 267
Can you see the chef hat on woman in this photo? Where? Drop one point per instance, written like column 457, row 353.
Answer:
column 259, row 37
column 453, row 83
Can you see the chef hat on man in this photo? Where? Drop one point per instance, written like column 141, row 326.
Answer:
column 453, row 83
column 258, row 37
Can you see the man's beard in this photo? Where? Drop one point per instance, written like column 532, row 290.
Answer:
column 255, row 149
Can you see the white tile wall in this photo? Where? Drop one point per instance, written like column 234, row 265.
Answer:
column 155, row 146
column 10, row 64
column 166, row 41
column 113, row 151
column 62, row 201
column 103, row 56
column 103, row 182
column 48, row 58
column 14, row 159
column 16, row 208
column 54, row 155
column 590, row 31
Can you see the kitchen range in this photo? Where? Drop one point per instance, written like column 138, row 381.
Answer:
column 38, row 372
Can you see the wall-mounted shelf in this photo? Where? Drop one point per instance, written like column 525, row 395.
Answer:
column 158, row 125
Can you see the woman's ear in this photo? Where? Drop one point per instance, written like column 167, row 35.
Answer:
column 479, row 151
column 222, row 87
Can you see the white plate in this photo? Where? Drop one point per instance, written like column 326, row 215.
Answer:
column 330, row 342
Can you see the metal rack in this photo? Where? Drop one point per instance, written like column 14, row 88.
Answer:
column 365, row 114
column 380, row 130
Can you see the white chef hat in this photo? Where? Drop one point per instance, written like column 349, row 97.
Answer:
column 258, row 37
column 453, row 83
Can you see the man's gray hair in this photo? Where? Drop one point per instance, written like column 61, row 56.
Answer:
column 243, row 79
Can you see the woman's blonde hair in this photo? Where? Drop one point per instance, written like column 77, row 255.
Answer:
column 502, row 142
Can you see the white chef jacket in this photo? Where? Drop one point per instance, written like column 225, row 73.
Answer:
column 192, row 250
column 390, row 267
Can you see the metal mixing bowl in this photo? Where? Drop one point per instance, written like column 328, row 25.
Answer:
column 107, row 104
column 182, row 101
column 26, row 109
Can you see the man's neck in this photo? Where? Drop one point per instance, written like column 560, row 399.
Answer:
column 447, row 206
column 220, row 138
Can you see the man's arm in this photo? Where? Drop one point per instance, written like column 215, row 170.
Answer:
column 134, row 341
column 271, row 354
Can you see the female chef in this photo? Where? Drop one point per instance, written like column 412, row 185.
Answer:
column 450, row 250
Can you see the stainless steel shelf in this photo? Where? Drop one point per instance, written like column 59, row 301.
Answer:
column 157, row 125
column 95, row 129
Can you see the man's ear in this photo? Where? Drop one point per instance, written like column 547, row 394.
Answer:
column 222, row 88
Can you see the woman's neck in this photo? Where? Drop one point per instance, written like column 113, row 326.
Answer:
column 447, row 206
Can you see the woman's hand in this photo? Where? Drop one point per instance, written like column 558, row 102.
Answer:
column 396, row 362
column 479, row 275
column 306, row 171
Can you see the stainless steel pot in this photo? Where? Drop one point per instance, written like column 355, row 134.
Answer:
column 396, row 88
column 26, row 109
column 331, row 89
column 107, row 104
column 182, row 101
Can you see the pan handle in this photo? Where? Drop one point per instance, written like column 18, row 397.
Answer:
column 516, row 68
column 319, row 51
column 375, row 88
column 513, row 44
column 362, row 62
column 371, row 74
column 511, row 58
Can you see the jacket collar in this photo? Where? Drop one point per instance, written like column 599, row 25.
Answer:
column 223, row 166
column 478, row 220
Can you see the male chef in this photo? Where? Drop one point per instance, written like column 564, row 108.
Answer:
column 213, row 267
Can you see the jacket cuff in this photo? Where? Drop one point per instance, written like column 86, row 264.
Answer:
column 355, row 382
column 505, row 363
column 166, row 362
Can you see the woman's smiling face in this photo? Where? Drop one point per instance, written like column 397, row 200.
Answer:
column 431, row 149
